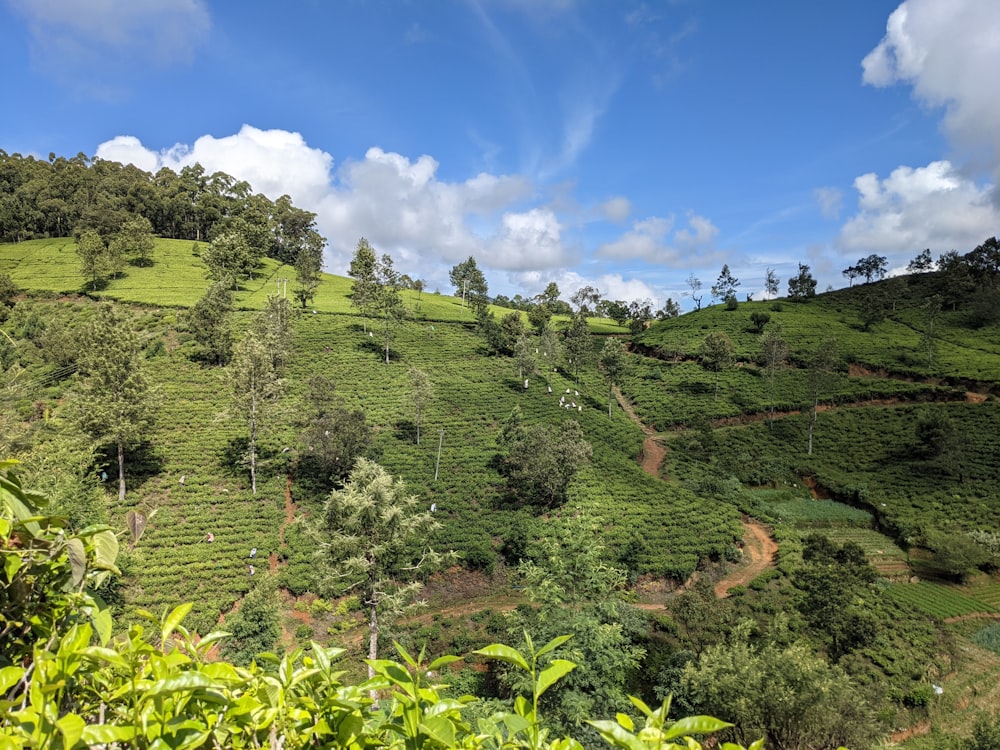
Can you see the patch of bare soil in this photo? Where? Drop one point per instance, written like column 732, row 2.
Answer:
column 759, row 550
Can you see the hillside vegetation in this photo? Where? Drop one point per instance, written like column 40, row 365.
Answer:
column 869, row 448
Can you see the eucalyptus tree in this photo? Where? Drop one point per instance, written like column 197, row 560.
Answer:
column 308, row 276
column 613, row 362
column 363, row 271
column 230, row 256
column 388, row 302
column 576, row 344
column 114, row 402
column 421, row 393
column 256, row 390
column 716, row 354
column 368, row 532
column 802, row 286
column 774, row 352
column 771, row 283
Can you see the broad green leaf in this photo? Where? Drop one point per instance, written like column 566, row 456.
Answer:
column 106, row 551
column 174, row 619
column 558, row 669
column 695, row 725
column 181, row 683
column 626, row 721
column 759, row 745
column 77, row 560
column 320, row 655
column 71, row 728
column 103, row 624
column 443, row 661
column 641, row 705
column 107, row 655
column 105, row 734
column 11, row 565
column 617, row 735
column 9, row 677
column 504, row 653
column 552, row 645
column 439, row 729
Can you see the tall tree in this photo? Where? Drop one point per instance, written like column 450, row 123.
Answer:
column 724, row 287
column 771, row 283
column 256, row 389
column 135, row 239
column 275, row 324
column 115, row 403
column 525, row 357
column 363, row 270
column 369, row 531
column 802, row 286
column 470, row 284
column 716, row 354
column 669, row 310
column 388, row 302
column 308, row 276
column 576, row 344
column 873, row 267
column 230, row 256
column 586, row 298
column 823, row 374
column 695, row 283
column 94, row 261
column 421, row 393
column 210, row 321
column 773, row 355
column 613, row 363
column 922, row 263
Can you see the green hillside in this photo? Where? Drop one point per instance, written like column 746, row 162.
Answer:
column 903, row 463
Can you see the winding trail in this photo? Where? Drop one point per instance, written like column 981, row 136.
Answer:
column 759, row 549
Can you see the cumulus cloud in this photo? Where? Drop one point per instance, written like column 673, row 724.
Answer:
column 399, row 204
column 73, row 39
column 612, row 286
column 946, row 51
column 650, row 240
column 915, row 208
column 830, row 200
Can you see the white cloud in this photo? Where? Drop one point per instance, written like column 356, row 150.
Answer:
column 830, row 200
column 616, row 209
column 611, row 285
column 73, row 39
column 528, row 240
column 928, row 207
column 947, row 51
column 399, row 204
column 649, row 240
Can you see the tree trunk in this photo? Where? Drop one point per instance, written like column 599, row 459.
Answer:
column 372, row 640
column 121, row 472
column 252, row 447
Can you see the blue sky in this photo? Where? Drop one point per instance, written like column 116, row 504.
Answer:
column 627, row 145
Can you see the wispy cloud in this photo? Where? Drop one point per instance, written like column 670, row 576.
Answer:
column 93, row 45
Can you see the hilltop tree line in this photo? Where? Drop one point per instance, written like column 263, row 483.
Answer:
column 114, row 211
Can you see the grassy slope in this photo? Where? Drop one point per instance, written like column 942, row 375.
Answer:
column 666, row 528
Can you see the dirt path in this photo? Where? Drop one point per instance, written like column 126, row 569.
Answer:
column 759, row 548
column 653, row 451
